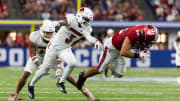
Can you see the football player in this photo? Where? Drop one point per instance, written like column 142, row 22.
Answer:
column 73, row 28
column 138, row 37
column 38, row 42
column 176, row 45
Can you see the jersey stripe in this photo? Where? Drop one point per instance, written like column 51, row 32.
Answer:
column 76, row 32
column 103, row 58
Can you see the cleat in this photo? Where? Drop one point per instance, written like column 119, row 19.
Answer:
column 80, row 81
column 14, row 97
column 61, row 87
column 88, row 94
column 30, row 91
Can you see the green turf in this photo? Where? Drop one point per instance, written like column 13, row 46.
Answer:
column 104, row 90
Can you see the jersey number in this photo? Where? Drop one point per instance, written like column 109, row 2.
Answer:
column 68, row 40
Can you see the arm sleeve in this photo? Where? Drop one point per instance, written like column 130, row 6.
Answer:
column 90, row 38
column 32, row 38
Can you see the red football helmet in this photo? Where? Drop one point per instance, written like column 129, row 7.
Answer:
column 150, row 33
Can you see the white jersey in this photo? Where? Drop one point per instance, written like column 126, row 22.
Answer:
column 36, row 39
column 70, row 33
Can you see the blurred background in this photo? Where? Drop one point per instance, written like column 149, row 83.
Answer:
column 18, row 18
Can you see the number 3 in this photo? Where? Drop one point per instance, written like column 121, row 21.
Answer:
column 70, row 39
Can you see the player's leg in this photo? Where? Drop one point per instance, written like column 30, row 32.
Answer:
column 48, row 62
column 120, row 66
column 71, row 79
column 30, row 67
column 109, row 67
column 20, row 85
column 22, row 81
column 84, row 91
column 105, row 59
column 67, row 56
column 178, row 67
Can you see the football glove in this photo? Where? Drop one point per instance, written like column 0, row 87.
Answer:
column 98, row 45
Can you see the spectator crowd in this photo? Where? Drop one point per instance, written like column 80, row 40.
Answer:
column 4, row 10
column 103, row 9
column 167, row 10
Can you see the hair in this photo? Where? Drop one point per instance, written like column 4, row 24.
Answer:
column 178, row 39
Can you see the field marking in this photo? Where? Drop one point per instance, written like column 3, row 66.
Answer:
column 137, row 79
column 153, row 93
column 104, row 98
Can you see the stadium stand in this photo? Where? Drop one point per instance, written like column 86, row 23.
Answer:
column 166, row 10
column 103, row 9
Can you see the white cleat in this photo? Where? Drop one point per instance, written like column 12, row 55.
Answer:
column 88, row 94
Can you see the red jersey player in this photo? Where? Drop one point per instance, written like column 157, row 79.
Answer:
column 136, row 37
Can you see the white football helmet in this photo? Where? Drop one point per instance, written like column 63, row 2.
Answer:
column 84, row 16
column 47, row 27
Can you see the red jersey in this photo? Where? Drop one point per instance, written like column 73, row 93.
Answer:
column 133, row 33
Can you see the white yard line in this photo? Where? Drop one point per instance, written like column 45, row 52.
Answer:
column 104, row 98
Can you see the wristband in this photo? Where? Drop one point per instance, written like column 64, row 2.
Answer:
column 35, row 59
column 136, row 55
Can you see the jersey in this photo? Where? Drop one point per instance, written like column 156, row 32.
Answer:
column 133, row 33
column 70, row 33
column 36, row 39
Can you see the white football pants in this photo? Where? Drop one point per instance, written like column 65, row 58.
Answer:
column 65, row 55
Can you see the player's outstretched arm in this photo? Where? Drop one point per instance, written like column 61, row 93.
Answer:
column 60, row 23
column 97, row 43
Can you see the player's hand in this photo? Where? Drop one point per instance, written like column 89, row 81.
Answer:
column 144, row 54
column 98, row 45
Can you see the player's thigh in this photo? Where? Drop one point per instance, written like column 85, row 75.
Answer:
column 119, row 65
column 30, row 66
column 49, row 59
column 105, row 59
column 67, row 56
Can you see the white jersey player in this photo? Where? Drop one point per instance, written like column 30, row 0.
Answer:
column 38, row 43
column 177, row 48
column 73, row 27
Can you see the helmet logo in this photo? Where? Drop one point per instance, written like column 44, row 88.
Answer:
column 81, row 10
column 151, row 32
column 41, row 24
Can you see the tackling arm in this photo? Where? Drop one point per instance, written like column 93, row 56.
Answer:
column 125, row 49
column 60, row 23
column 97, row 43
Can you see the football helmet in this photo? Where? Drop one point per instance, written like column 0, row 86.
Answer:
column 47, row 30
column 84, row 16
column 150, row 34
